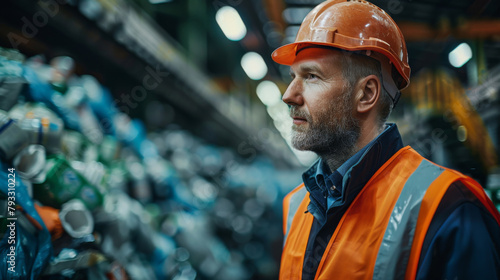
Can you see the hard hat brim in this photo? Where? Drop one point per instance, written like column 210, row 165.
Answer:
column 286, row 55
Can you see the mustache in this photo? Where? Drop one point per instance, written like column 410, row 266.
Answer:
column 296, row 113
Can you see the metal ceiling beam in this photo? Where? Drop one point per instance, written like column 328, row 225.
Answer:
column 470, row 29
column 274, row 10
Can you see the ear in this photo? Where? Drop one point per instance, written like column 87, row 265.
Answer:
column 368, row 93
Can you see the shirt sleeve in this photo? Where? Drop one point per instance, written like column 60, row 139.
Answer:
column 464, row 244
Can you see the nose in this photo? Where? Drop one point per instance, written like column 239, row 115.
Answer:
column 293, row 94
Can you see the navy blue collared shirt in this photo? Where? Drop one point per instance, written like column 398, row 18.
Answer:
column 328, row 192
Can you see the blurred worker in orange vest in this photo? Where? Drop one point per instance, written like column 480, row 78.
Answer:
column 371, row 208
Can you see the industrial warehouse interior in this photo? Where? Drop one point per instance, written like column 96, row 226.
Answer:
column 148, row 139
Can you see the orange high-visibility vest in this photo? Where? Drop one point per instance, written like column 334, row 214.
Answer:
column 380, row 236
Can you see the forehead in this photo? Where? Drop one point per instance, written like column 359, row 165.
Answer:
column 324, row 58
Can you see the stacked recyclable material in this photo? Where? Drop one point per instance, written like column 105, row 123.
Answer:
column 88, row 193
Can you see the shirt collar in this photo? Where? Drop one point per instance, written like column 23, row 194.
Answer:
column 319, row 180
column 324, row 175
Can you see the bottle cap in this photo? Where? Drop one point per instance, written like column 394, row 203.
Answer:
column 76, row 219
column 30, row 162
column 12, row 138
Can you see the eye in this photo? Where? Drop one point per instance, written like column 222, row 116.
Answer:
column 311, row 76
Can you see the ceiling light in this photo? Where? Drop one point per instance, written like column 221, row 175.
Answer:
column 269, row 93
column 231, row 24
column 254, row 65
column 460, row 55
column 462, row 133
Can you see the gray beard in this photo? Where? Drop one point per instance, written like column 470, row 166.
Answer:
column 330, row 137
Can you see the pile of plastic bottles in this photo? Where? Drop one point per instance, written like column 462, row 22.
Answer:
column 88, row 193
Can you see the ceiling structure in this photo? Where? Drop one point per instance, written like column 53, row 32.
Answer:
column 432, row 28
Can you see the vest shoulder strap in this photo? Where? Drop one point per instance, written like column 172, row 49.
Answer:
column 291, row 203
column 430, row 203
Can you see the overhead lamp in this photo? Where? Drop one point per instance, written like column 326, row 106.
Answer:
column 269, row 93
column 460, row 55
column 462, row 133
column 230, row 22
column 254, row 65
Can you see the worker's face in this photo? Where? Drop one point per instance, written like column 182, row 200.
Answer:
column 321, row 104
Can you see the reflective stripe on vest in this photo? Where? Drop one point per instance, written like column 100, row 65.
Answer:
column 294, row 202
column 394, row 252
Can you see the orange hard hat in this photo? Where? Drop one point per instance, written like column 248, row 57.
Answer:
column 352, row 25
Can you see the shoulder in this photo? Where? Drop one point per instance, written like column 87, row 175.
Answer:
column 463, row 231
column 460, row 203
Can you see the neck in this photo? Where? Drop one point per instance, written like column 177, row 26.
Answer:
column 368, row 133
column 334, row 161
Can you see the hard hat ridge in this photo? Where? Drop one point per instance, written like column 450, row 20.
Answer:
column 352, row 25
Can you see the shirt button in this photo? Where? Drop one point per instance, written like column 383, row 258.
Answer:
column 333, row 188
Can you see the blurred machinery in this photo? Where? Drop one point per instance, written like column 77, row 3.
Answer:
column 453, row 126
column 457, row 130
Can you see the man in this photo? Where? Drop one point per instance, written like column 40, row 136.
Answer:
column 370, row 208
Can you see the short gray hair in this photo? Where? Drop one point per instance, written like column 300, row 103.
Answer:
column 357, row 66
